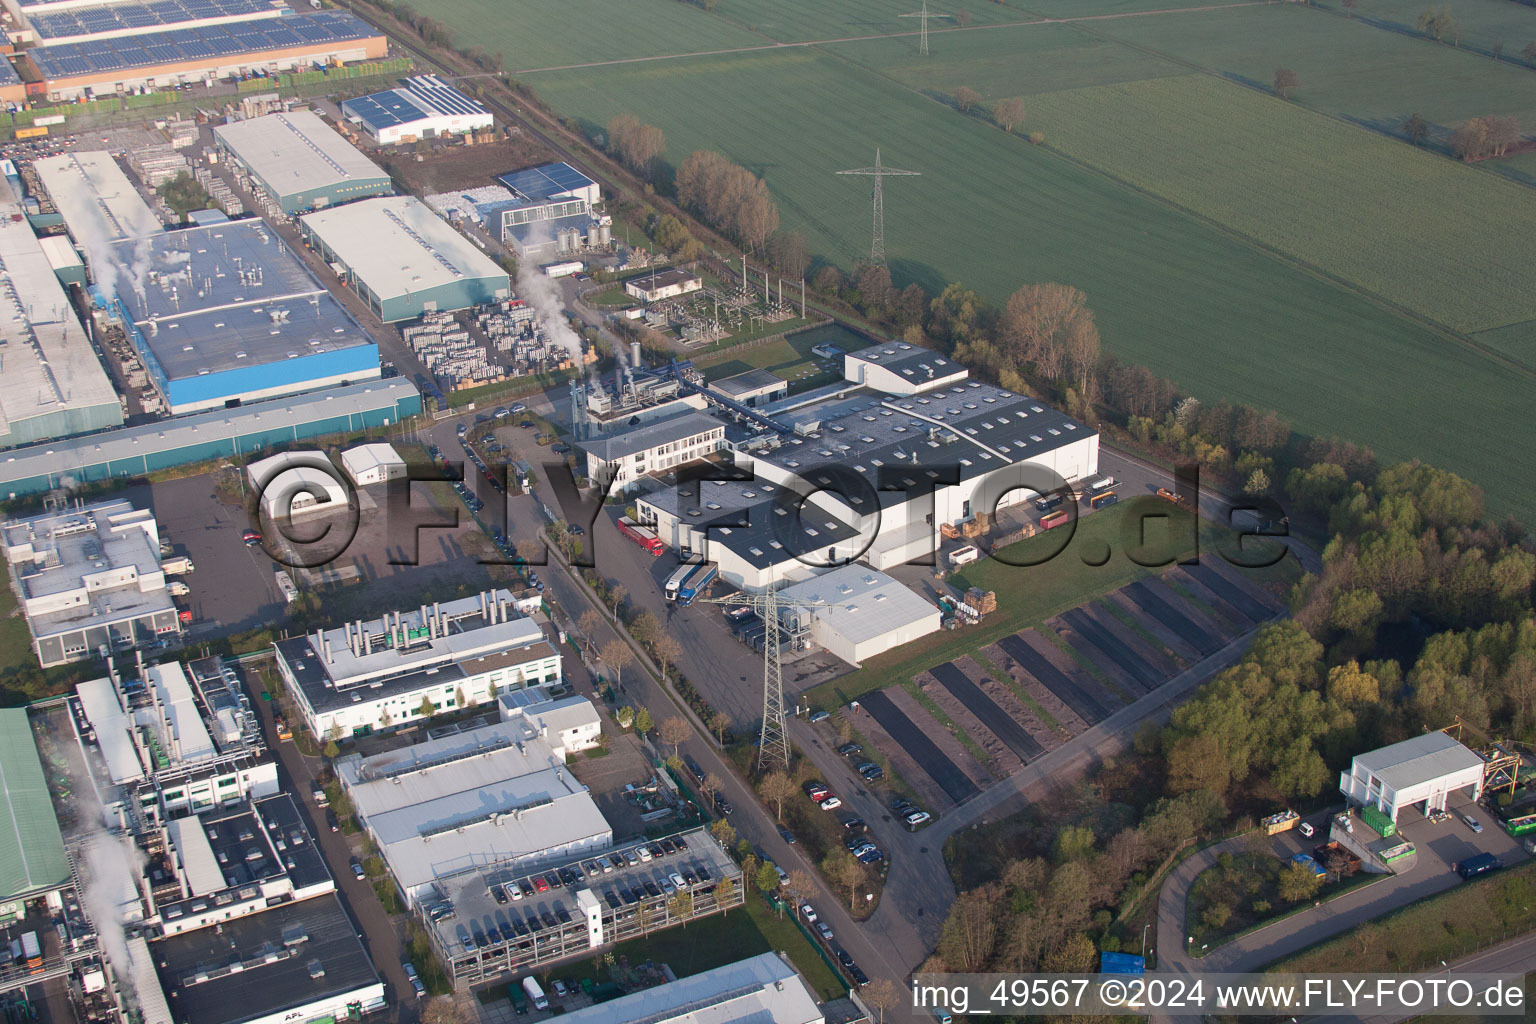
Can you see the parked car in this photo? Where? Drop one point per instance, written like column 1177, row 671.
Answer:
column 1473, row 824
column 871, row 771
column 251, row 538
column 914, row 818
column 830, row 802
column 849, row 749
column 415, row 980
column 786, row 835
column 808, row 912
column 818, row 716
column 815, row 790
column 843, row 957
column 824, row 931
column 723, row 805
column 1306, row 830
column 855, row 825
column 333, row 821
column 357, row 869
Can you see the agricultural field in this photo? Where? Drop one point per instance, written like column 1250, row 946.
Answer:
column 1370, row 75
column 1450, row 246
column 801, row 20
column 554, row 33
column 1484, row 24
column 1215, row 312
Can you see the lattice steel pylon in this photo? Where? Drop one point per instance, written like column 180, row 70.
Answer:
column 922, row 46
column 879, row 172
column 773, row 740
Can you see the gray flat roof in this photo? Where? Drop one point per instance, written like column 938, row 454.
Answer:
column 61, row 457
column 230, row 295
column 777, row 535
column 296, row 152
column 973, row 426
column 748, row 383
column 198, row 968
column 908, row 360
column 763, row 989
column 861, row 603
column 1418, row 760
column 95, row 197
column 649, row 435
column 60, row 371
column 397, row 244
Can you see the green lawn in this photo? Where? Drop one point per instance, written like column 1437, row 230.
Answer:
column 15, row 641
column 789, row 358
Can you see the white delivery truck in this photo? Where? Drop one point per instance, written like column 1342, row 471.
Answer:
column 535, row 993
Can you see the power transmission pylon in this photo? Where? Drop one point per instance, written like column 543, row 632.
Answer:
column 773, row 740
column 922, row 46
column 879, row 172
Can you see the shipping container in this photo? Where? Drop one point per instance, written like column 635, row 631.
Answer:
column 1055, row 519
column 1102, row 499
column 1521, row 826
column 35, row 131
column 1378, row 820
column 1122, row 963
column 697, row 582
column 1280, row 822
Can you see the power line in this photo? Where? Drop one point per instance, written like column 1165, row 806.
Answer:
column 922, row 46
column 879, row 172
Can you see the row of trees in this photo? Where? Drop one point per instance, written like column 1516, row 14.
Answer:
column 1482, row 137
column 637, row 145
column 730, row 198
column 1006, row 113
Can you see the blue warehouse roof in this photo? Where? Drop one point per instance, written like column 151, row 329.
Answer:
column 536, row 184
column 210, row 43
column 8, row 75
column 137, row 17
column 417, row 98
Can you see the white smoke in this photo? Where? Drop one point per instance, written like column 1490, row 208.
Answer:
column 109, row 863
column 539, row 291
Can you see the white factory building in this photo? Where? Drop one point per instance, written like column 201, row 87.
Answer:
column 1421, row 771
column 423, row 107
column 626, row 456
column 499, row 795
column 177, row 740
column 374, row 463
column 97, row 201
column 663, row 284
column 89, row 579
column 296, row 484
column 764, row 989
column 299, row 161
column 53, row 384
column 856, row 612
column 396, row 670
column 868, row 470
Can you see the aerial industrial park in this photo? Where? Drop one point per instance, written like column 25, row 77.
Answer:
column 490, row 537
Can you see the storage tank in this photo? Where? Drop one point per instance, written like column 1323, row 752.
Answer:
column 604, row 234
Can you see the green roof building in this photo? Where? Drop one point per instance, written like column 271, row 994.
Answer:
column 32, row 859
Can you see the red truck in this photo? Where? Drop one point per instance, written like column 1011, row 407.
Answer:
column 642, row 535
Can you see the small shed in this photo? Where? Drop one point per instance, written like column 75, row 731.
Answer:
column 372, row 464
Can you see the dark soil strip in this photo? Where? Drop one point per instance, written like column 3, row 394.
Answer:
column 1194, row 592
column 992, row 716
column 1152, row 624
column 1171, row 614
column 1239, row 578
column 1075, row 696
column 1131, row 661
column 1096, row 660
column 919, row 747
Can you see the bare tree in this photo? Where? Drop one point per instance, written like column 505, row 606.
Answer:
column 1051, row 326
column 442, row 1010
column 801, row 887
column 528, row 549
column 962, row 18
column 879, row 995
column 1503, row 132
column 589, row 623
column 966, row 98
column 757, row 217
column 617, row 592
column 720, row 723
column 1417, row 129
column 674, row 731
column 1286, row 82
column 1470, row 140
column 790, row 252
column 1008, row 113
column 710, row 786
column 845, row 872
column 617, row 656
column 1529, row 51
column 667, row 650
column 777, row 787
